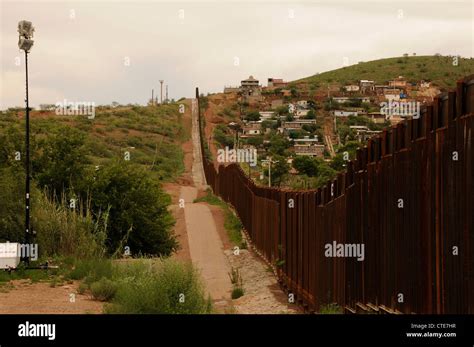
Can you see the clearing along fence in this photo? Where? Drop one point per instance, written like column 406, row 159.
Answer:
column 406, row 202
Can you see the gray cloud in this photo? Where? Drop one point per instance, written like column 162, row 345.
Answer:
column 82, row 58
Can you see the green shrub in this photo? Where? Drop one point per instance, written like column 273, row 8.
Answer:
column 83, row 287
column 104, row 289
column 168, row 287
column 237, row 292
column 330, row 309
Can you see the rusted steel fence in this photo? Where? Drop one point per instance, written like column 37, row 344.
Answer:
column 408, row 198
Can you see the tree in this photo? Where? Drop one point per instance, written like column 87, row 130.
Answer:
column 138, row 209
column 62, row 161
column 279, row 169
column 12, row 186
column 278, row 145
column 252, row 116
column 306, row 165
column 294, row 92
column 311, row 115
column 282, row 111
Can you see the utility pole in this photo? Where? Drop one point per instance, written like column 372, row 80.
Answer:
column 152, row 97
column 269, row 161
column 166, row 100
column 161, row 92
column 26, row 29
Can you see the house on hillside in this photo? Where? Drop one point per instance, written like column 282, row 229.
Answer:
column 399, row 82
column 265, row 115
column 295, row 125
column 342, row 113
column 377, row 117
column 302, row 104
column 351, row 88
column 250, row 87
column 312, row 150
column 306, row 140
column 380, row 88
column 366, row 86
column 344, row 99
column 276, row 83
column 363, row 133
column 251, row 129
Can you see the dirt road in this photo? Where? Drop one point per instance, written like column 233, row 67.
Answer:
column 205, row 245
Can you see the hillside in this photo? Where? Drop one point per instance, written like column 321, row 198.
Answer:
column 152, row 135
column 437, row 69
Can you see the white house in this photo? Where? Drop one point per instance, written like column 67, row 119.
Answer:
column 265, row 115
column 341, row 113
column 302, row 103
column 352, row 88
column 344, row 99
column 252, row 128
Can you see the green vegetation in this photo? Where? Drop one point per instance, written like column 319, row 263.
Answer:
column 232, row 223
column 438, row 69
column 89, row 200
column 330, row 309
column 104, row 289
column 237, row 283
column 165, row 287
column 223, row 137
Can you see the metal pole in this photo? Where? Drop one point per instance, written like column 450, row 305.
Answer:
column 270, row 172
column 27, row 165
column 161, row 91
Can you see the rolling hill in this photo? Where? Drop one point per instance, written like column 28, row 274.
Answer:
column 438, row 69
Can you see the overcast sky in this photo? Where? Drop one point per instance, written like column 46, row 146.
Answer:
column 104, row 51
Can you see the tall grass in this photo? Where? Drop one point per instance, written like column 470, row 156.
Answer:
column 64, row 231
column 165, row 286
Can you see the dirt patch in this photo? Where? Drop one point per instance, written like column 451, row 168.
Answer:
column 40, row 298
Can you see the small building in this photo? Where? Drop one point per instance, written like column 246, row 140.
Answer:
column 250, row 82
column 306, row 140
column 295, row 125
column 351, row 88
column 344, row 99
column 377, row 117
column 251, row 128
column 366, row 85
column 363, row 133
column 399, row 82
column 342, row 113
column 302, row 104
column 276, row 83
column 250, row 87
column 265, row 115
column 312, row 150
column 380, row 88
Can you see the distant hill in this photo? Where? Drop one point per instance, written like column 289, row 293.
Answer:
column 437, row 69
